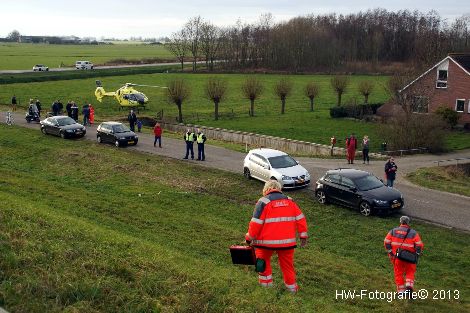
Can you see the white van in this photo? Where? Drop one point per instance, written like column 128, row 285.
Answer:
column 83, row 65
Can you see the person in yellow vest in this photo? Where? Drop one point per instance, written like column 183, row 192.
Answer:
column 189, row 138
column 200, row 139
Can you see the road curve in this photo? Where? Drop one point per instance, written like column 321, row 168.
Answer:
column 441, row 208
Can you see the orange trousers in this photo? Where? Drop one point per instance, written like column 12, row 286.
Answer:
column 286, row 262
column 404, row 274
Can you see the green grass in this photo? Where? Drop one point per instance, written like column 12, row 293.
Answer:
column 76, row 237
column 446, row 178
column 18, row 56
column 298, row 122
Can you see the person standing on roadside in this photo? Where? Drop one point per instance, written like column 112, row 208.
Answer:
column 92, row 114
column 189, row 139
column 74, row 111
column 201, row 140
column 68, row 108
column 132, row 118
column 365, row 149
column 351, row 146
column 13, row 103
column 55, row 108
column 404, row 268
column 157, row 131
column 390, row 171
column 86, row 115
column 276, row 222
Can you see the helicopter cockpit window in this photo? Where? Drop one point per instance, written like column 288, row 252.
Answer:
column 121, row 128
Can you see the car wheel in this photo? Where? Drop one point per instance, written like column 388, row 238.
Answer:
column 116, row 143
column 47, row 70
column 246, row 173
column 99, row 139
column 365, row 209
column 62, row 135
column 43, row 130
column 28, row 120
column 321, row 197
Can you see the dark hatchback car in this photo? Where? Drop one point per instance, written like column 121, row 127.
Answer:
column 358, row 189
column 116, row 133
column 62, row 126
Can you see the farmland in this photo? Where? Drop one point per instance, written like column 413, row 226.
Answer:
column 298, row 122
column 79, row 239
column 16, row 56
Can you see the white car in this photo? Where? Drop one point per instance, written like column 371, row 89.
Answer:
column 83, row 65
column 265, row 164
column 40, row 68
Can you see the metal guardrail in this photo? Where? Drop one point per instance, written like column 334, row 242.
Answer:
column 452, row 160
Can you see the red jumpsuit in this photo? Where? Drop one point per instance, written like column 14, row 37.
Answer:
column 92, row 115
column 276, row 221
column 403, row 270
column 351, row 146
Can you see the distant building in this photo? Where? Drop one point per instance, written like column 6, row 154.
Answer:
column 445, row 84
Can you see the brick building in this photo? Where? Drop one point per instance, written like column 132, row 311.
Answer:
column 445, row 84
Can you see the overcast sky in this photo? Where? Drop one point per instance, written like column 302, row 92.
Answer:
column 146, row 18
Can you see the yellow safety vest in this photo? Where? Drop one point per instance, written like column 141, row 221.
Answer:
column 189, row 137
column 200, row 138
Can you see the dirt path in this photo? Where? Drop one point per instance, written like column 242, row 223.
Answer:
column 442, row 208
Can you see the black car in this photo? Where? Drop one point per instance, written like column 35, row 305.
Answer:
column 358, row 189
column 62, row 126
column 116, row 133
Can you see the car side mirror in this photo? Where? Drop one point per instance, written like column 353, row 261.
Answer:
column 266, row 167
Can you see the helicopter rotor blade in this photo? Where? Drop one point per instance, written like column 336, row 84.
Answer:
column 153, row 86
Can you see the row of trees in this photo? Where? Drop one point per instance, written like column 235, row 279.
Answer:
column 252, row 88
column 323, row 42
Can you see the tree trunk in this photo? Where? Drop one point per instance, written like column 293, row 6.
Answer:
column 180, row 114
column 311, row 103
column 339, row 98
column 252, row 107
column 366, row 99
column 283, row 106
column 216, row 113
column 182, row 65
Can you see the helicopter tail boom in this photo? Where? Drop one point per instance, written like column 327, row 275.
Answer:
column 100, row 93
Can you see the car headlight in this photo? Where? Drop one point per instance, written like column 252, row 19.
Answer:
column 84, row 129
column 284, row 177
column 136, row 137
column 307, row 174
column 380, row 202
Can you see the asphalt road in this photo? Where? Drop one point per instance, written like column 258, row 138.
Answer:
column 441, row 208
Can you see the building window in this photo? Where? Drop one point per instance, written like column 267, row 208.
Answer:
column 460, row 105
column 420, row 104
column 441, row 79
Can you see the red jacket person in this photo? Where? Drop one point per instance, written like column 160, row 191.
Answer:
column 276, row 221
column 405, row 238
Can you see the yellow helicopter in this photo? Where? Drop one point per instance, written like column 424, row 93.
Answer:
column 127, row 96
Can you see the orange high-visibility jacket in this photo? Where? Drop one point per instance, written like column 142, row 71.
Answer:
column 276, row 222
column 394, row 240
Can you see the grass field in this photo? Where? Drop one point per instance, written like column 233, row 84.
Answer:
column 453, row 179
column 76, row 237
column 298, row 122
column 19, row 56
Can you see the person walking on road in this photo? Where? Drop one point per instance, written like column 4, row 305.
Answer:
column 200, row 139
column 351, row 146
column 38, row 106
column 157, row 131
column 390, row 171
column 365, row 149
column 273, row 228
column 404, row 246
column 13, row 103
column 189, row 139
column 132, row 118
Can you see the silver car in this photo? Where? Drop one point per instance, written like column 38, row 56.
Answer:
column 265, row 164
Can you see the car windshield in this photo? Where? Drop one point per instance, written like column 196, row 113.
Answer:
column 282, row 161
column 65, row 121
column 120, row 128
column 368, row 182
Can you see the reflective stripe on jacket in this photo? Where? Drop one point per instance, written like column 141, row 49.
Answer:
column 276, row 221
column 394, row 240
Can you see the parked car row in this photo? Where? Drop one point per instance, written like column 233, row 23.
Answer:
column 79, row 65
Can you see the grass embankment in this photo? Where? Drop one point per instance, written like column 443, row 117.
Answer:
column 75, row 236
column 19, row 56
column 453, row 178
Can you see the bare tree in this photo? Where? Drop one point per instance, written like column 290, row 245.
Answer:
column 252, row 89
column 311, row 91
column 193, row 31
column 339, row 84
column 365, row 87
column 178, row 46
column 177, row 92
column 282, row 89
column 210, row 43
column 215, row 91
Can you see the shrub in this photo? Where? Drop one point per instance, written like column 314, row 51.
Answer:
column 448, row 115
